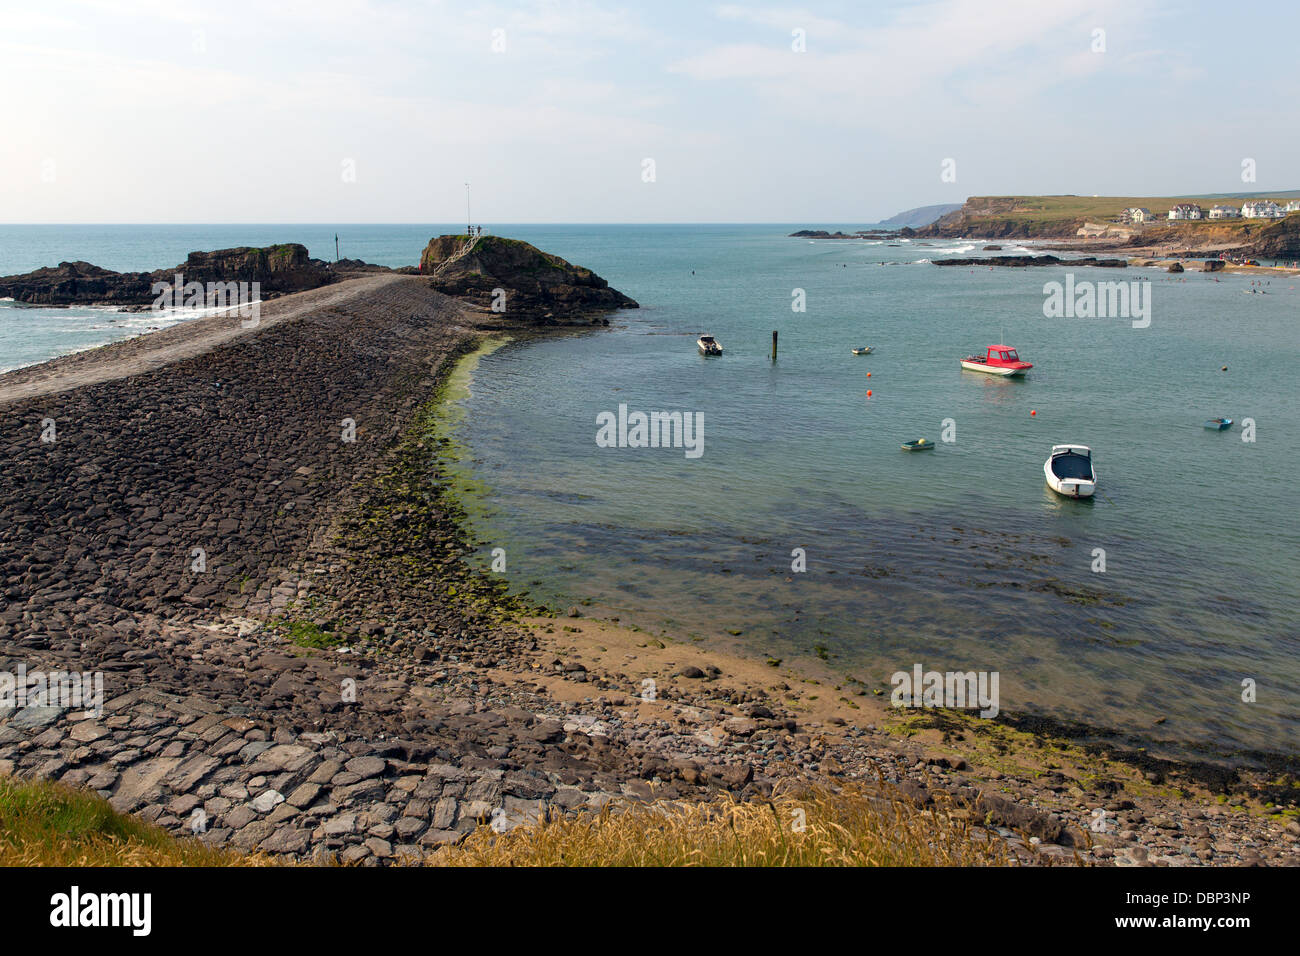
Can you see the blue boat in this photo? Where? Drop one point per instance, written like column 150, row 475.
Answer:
column 1218, row 424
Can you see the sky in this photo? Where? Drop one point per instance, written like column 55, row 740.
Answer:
column 176, row 111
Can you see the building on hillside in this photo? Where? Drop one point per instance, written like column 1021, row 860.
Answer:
column 1187, row 210
column 1292, row 206
column 1136, row 214
column 1262, row 209
column 1224, row 212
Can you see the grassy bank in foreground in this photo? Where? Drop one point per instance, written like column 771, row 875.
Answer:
column 44, row 823
column 49, row 824
column 812, row 828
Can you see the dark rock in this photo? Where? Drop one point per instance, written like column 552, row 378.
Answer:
column 537, row 285
column 1043, row 260
column 278, row 269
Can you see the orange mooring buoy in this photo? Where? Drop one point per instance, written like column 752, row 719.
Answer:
column 868, row 393
column 1032, row 412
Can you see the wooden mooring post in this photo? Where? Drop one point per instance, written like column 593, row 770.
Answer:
column 774, row 345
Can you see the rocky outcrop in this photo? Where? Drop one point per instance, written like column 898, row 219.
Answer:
column 280, row 269
column 358, row 266
column 73, row 283
column 862, row 234
column 822, row 234
column 1279, row 240
column 1019, row 261
column 517, row 277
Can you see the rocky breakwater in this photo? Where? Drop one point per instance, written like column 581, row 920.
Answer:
column 280, row 270
column 249, row 546
column 159, row 537
column 518, row 281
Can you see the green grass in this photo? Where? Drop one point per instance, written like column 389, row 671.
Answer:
column 48, row 824
column 1058, row 217
column 307, row 634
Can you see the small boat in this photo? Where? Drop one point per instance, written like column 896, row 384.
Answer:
column 1219, row 424
column 864, row 350
column 997, row 360
column 708, row 345
column 1069, row 471
column 921, row 444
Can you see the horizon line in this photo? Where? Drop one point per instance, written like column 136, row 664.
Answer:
column 522, row 222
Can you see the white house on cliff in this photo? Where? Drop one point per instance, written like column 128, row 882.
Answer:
column 1262, row 209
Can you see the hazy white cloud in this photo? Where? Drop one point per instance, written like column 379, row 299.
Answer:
column 164, row 110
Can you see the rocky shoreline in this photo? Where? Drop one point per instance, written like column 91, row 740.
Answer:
column 1018, row 262
column 332, row 681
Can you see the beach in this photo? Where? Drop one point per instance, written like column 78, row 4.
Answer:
column 252, row 534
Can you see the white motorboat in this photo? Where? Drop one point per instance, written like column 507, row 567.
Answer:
column 708, row 345
column 1070, row 471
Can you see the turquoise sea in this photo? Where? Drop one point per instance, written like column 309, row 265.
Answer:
column 958, row 559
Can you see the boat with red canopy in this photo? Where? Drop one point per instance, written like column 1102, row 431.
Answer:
column 997, row 360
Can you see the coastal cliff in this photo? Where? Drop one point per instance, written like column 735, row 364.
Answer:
column 1072, row 217
column 1280, row 240
column 536, row 284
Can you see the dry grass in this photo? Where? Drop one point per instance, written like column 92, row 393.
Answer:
column 850, row 828
column 48, row 824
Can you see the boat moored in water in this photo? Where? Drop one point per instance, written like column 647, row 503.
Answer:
column 1219, row 424
column 1070, row 472
column 997, row 360
column 921, row 444
column 708, row 345
column 863, row 350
